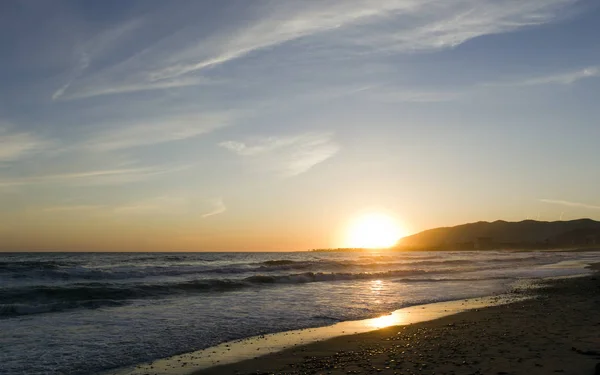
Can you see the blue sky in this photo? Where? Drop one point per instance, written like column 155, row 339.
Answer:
column 249, row 125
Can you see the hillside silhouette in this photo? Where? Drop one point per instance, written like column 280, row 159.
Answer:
column 500, row 234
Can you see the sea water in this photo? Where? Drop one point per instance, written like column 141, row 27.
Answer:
column 84, row 313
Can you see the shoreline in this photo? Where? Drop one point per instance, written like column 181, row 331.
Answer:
column 261, row 353
column 237, row 351
column 558, row 331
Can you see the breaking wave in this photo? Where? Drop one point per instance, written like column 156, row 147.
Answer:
column 33, row 284
column 52, row 298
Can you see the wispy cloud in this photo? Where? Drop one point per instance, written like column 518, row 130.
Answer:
column 218, row 208
column 93, row 177
column 177, row 203
column 564, row 78
column 571, row 204
column 388, row 25
column 73, row 208
column 171, row 203
column 15, row 145
column 155, row 132
column 259, row 146
column 440, row 24
column 288, row 155
column 92, row 48
column 406, row 95
column 142, row 86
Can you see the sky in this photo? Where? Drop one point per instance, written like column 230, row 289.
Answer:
column 264, row 125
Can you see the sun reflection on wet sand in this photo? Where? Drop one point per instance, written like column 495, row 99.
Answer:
column 260, row 345
column 394, row 319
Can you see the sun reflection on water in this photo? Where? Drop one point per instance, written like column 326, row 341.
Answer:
column 376, row 286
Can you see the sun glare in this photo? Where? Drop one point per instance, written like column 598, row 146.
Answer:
column 373, row 231
column 394, row 319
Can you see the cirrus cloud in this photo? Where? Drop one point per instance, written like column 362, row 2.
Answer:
column 571, row 204
column 287, row 155
column 187, row 55
column 16, row 145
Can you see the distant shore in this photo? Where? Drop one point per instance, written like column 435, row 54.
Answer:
column 554, row 333
column 417, row 249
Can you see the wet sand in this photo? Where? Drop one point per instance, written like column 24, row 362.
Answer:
column 555, row 333
column 240, row 350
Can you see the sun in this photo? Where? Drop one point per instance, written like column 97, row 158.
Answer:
column 373, row 231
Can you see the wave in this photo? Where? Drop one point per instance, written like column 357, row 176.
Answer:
column 63, row 272
column 311, row 277
column 44, row 298
column 79, row 272
column 101, row 291
column 161, row 257
column 137, row 269
column 116, row 273
column 278, row 262
column 325, row 317
column 37, row 264
column 40, row 299
column 364, row 263
column 16, row 309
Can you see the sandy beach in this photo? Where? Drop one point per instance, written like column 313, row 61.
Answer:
column 556, row 333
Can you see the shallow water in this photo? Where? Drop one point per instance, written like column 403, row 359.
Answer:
column 86, row 313
column 240, row 350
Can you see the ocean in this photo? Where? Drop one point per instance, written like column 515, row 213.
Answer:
column 86, row 313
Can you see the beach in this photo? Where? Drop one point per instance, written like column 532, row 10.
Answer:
column 557, row 332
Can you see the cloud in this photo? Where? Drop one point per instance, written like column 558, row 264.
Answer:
column 260, row 145
column 14, row 146
column 441, row 24
column 218, row 208
column 565, row 78
column 92, row 177
column 433, row 25
column 403, row 26
column 413, row 96
column 134, row 87
column 166, row 130
column 288, row 155
column 570, row 204
column 171, row 203
column 77, row 208
column 94, row 47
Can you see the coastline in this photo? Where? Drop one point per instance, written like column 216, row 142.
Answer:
column 556, row 332
column 313, row 350
column 574, row 249
column 252, row 348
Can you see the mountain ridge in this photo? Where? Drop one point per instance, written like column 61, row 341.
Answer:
column 508, row 235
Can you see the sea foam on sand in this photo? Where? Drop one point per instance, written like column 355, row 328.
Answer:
column 554, row 328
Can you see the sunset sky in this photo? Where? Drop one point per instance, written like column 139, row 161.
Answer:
column 271, row 125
